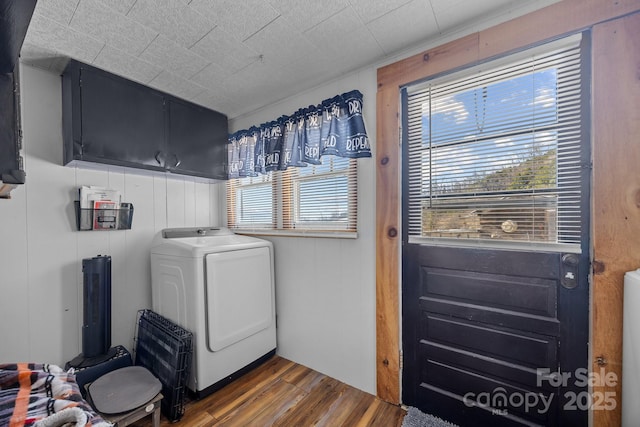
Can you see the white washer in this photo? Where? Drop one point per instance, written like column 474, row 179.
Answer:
column 219, row 286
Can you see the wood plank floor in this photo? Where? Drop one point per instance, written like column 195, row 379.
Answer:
column 283, row 393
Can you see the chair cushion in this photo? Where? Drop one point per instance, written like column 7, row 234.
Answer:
column 123, row 390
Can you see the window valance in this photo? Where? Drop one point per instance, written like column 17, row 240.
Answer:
column 333, row 127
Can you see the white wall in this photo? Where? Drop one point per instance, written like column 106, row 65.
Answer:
column 41, row 252
column 325, row 287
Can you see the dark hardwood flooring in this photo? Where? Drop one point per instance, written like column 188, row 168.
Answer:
column 283, row 393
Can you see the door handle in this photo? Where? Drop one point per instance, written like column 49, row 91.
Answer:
column 569, row 271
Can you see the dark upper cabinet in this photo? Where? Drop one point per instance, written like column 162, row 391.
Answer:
column 15, row 16
column 197, row 136
column 109, row 119
column 11, row 170
column 120, row 122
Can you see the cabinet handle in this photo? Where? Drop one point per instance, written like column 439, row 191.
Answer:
column 177, row 162
column 160, row 158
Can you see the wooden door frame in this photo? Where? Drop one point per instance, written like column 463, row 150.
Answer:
column 615, row 238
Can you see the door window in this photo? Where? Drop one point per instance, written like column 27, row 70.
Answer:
column 494, row 151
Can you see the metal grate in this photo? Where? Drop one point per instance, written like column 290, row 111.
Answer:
column 165, row 349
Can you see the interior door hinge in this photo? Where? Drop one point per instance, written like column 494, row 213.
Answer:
column 401, row 360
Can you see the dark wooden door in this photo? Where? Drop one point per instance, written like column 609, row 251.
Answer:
column 495, row 267
column 483, row 330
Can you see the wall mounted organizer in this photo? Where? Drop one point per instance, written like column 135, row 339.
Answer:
column 105, row 216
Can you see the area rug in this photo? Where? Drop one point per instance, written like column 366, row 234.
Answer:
column 416, row 418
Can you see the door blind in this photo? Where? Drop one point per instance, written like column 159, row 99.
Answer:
column 495, row 152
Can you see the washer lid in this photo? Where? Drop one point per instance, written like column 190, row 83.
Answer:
column 196, row 245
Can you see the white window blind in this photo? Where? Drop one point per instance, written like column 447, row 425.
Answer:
column 316, row 198
column 495, row 152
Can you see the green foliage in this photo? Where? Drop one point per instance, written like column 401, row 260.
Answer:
column 535, row 172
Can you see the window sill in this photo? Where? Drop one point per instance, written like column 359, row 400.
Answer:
column 297, row 233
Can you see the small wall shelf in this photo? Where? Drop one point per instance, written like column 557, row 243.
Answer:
column 108, row 218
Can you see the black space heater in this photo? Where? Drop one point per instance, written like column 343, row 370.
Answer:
column 96, row 328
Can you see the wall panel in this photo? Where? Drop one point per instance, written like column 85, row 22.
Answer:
column 616, row 188
column 52, row 308
column 14, row 303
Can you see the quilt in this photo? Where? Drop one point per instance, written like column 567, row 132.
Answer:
column 43, row 395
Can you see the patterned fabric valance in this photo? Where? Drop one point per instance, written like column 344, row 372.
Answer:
column 333, row 127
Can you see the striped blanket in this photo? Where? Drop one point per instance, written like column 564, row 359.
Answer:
column 33, row 394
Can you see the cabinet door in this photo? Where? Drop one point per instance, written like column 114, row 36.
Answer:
column 122, row 121
column 10, row 164
column 15, row 16
column 197, row 140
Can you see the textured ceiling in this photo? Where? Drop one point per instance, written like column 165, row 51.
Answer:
column 235, row 56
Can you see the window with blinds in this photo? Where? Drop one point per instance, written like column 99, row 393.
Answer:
column 315, row 198
column 495, row 152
